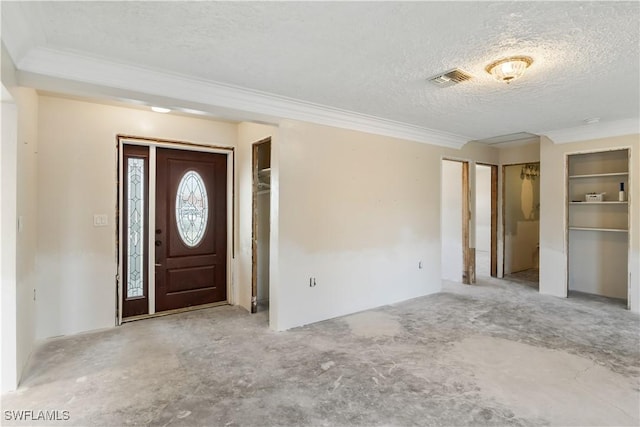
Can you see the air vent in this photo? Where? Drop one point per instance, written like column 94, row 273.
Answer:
column 450, row 78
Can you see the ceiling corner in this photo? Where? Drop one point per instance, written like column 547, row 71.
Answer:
column 594, row 131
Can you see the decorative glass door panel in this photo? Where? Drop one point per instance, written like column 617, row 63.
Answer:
column 192, row 208
column 135, row 215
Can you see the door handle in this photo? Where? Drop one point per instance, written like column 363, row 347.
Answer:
column 158, row 265
column 158, row 242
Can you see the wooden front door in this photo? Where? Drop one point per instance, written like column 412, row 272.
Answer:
column 191, row 228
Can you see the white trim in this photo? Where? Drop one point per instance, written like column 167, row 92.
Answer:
column 151, row 221
column 594, row 131
column 73, row 68
column 120, row 243
column 231, row 296
column 153, row 145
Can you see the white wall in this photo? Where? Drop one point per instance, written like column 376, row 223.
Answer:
column 483, row 208
column 451, row 252
column 76, row 261
column 553, row 241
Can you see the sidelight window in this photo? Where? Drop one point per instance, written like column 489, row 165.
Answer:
column 135, row 229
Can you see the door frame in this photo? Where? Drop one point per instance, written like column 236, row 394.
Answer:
column 154, row 143
column 254, row 221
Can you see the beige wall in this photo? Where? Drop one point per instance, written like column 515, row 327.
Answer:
column 358, row 212
column 553, row 238
column 18, row 218
column 27, row 102
column 528, row 153
column 76, row 261
column 483, row 208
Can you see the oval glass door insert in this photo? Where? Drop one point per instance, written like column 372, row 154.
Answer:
column 192, row 208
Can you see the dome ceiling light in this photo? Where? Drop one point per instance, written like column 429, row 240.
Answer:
column 160, row 109
column 509, row 69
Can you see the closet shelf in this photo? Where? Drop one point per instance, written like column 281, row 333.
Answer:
column 606, row 202
column 615, row 230
column 598, row 175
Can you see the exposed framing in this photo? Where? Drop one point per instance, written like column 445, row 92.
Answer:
column 468, row 253
column 154, row 143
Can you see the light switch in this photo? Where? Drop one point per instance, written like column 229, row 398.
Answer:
column 100, row 220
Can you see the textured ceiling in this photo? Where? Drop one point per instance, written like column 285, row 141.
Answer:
column 373, row 58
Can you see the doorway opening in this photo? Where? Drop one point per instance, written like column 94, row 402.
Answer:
column 174, row 226
column 457, row 257
column 261, row 225
column 486, row 220
column 521, row 222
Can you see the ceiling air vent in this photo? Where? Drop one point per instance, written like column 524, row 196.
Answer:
column 450, row 78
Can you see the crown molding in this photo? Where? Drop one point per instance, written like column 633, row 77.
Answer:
column 594, row 131
column 125, row 77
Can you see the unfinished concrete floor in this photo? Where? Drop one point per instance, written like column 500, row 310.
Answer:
column 492, row 354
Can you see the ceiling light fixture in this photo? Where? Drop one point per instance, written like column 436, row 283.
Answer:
column 160, row 109
column 509, row 69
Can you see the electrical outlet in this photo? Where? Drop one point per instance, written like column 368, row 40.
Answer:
column 312, row 282
column 420, row 264
column 100, row 220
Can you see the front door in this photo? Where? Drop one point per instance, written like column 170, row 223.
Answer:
column 191, row 228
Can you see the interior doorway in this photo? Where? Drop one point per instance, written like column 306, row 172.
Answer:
column 174, row 226
column 486, row 220
column 457, row 258
column 521, row 222
column 261, row 225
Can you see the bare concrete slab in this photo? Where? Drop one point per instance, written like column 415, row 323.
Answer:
column 492, row 354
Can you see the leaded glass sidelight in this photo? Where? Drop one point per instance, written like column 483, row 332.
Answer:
column 135, row 229
column 191, row 208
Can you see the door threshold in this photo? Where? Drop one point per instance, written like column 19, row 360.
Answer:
column 174, row 311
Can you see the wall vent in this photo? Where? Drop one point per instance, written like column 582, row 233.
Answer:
column 450, row 78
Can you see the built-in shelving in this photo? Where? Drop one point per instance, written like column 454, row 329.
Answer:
column 597, row 231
